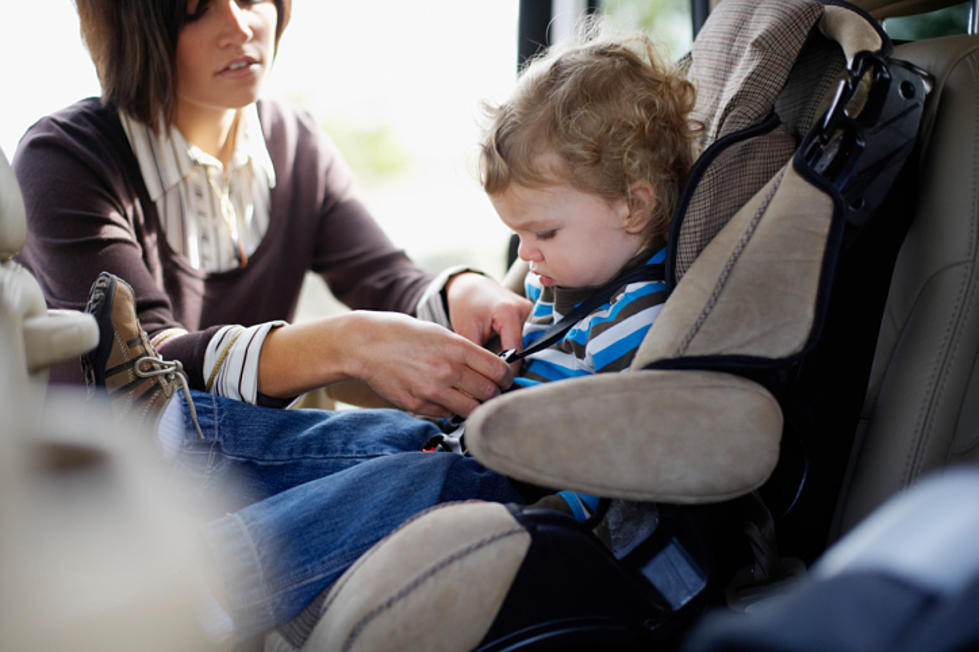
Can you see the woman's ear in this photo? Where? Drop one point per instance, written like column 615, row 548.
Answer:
column 642, row 203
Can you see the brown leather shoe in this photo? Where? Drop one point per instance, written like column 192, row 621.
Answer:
column 136, row 379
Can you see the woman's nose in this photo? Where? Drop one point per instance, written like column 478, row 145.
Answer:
column 235, row 21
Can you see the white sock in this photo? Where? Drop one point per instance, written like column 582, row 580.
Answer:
column 214, row 619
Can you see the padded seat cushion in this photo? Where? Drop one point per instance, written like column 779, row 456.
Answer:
column 435, row 583
column 669, row 436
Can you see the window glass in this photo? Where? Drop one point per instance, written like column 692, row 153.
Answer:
column 668, row 22
column 944, row 22
column 399, row 86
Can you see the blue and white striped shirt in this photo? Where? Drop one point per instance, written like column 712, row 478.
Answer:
column 604, row 340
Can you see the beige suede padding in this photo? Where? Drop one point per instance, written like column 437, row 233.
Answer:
column 436, row 583
column 753, row 289
column 670, row 436
column 853, row 35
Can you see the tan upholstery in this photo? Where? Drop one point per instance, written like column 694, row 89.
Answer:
column 753, row 289
column 921, row 410
column 668, row 436
column 436, row 583
column 854, row 36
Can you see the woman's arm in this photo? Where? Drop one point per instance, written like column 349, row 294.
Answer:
column 416, row 365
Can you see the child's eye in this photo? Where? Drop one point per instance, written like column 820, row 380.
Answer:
column 546, row 235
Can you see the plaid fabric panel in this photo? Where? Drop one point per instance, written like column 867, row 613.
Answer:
column 811, row 84
column 743, row 56
column 740, row 63
column 730, row 181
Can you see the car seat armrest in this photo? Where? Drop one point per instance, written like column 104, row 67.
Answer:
column 676, row 436
column 58, row 335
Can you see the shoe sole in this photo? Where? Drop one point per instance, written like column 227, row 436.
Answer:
column 100, row 299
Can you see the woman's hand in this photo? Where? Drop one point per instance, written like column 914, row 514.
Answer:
column 479, row 307
column 417, row 365
column 425, row 368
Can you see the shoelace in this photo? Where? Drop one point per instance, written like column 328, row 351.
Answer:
column 172, row 371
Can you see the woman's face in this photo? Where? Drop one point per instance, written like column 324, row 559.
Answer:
column 224, row 51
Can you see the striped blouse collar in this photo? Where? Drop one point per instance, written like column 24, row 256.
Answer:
column 166, row 158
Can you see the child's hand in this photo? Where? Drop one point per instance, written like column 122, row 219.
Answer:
column 480, row 308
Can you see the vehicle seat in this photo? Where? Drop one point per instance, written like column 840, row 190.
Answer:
column 92, row 554
column 921, row 410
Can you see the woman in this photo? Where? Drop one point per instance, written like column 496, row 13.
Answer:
column 213, row 205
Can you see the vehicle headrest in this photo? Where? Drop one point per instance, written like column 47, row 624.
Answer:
column 13, row 221
column 892, row 8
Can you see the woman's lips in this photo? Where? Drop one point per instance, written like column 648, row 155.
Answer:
column 239, row 67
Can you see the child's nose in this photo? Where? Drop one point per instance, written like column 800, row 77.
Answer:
column 528, row 252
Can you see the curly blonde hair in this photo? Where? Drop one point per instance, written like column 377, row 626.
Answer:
column 612, row 112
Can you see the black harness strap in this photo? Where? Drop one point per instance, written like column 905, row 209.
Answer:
column 454, row 426
column 654, row 272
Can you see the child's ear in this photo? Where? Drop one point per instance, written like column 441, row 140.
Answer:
column 642, row 203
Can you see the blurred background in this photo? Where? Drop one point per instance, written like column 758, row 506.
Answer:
column 399, row 87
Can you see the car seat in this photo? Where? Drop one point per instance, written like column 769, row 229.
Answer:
column 704, row 424
column 92, row 555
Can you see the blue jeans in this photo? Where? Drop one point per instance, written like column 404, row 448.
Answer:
column 304, row 493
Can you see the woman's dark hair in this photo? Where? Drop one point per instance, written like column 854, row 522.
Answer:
column 133, row 44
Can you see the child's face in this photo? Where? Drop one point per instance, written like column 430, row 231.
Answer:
column 570, row 238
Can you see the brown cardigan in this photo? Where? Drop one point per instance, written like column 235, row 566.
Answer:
column 88, row 210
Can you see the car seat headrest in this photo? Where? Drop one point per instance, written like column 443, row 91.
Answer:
column 738, row 77
column 762, row 78
column 13, row 222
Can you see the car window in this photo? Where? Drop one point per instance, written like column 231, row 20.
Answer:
column 944, row 22
column 668, row 22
